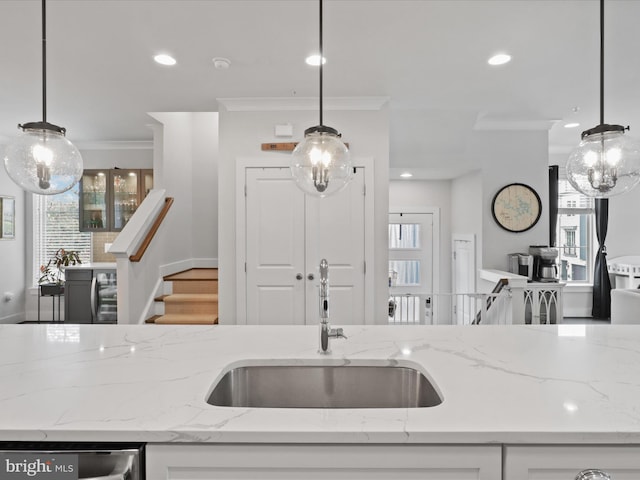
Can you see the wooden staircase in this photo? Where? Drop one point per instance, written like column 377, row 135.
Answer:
column 193, row 299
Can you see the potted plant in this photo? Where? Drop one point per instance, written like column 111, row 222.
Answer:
column 52, row 274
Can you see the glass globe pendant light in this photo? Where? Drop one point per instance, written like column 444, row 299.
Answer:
column 321, row 163
column 606, row 162
column 40, row 159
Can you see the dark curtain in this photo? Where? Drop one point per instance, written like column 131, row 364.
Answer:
column 601, row 283
column 553, row 204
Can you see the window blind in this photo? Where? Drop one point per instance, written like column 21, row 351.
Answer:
column 55, row 226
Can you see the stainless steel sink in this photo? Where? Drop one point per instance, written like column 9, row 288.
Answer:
column 289, row 386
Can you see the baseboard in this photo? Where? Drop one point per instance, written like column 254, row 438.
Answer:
column 13, row 318
column 577, row 312
column 182, row 265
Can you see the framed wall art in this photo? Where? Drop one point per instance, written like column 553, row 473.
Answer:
column 7, row 218
column 516, row 207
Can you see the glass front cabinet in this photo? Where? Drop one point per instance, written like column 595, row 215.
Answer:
column 108, row 198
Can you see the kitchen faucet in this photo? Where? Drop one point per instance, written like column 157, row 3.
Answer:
column 326, row 332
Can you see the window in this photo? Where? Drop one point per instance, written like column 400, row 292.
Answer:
column 55, row 225
column 405, row 272
column 576, row 234
column 569, row 245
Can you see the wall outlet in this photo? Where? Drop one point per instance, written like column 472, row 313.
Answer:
column 107, row 246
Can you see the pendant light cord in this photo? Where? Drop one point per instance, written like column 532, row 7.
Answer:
column 44, row 62
column 601, row 62
column 321, row 62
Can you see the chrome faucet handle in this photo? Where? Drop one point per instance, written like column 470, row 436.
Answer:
column 337, row 333
column 326, row 333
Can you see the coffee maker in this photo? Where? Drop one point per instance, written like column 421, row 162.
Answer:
column 545, row 267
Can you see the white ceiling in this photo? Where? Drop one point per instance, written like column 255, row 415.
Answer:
column 427, row 56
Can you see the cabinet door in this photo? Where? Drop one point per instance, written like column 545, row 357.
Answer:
column 559, row 462
column 108, row 198
column 320, row 462
column 77, row 296
column 146, row 183
column 125, row 187
column 94, row 201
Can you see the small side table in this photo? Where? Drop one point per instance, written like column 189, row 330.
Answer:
column 54, row 291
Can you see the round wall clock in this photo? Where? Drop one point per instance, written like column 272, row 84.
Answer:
column 516, row 207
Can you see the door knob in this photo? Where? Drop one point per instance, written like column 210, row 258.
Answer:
column 298, row 276
column 310, row 276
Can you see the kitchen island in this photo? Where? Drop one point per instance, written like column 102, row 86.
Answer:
column 503, row 386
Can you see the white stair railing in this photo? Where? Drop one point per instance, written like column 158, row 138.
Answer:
column 461, row 308
column 515, row 302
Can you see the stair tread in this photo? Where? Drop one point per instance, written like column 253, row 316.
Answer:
column 194, row 274
column 191, row 297
column 186, row 319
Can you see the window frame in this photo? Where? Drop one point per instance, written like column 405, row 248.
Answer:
column 41, row 253
column 591, row 240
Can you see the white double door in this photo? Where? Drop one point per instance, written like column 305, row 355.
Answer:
column 287, row 234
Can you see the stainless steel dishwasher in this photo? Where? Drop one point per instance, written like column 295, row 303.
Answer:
column 71, row 461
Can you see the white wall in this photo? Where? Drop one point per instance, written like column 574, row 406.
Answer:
column 242, row 130
column 429, row 193
column 511, row 157
column 189, row 173
column 12, row 256
column 204, row 210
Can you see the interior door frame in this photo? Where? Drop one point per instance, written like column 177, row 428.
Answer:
column 435, row 245
column 463, row 237
column 282, row 161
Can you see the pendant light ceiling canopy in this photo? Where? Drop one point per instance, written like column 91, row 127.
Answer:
column 40, row 159
column 321, row 163
column 606, row 162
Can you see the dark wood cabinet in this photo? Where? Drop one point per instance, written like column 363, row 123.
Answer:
column 77, row 296
column 108, row 198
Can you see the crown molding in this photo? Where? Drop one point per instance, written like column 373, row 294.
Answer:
column 116, row 145
column 264, row 104
column 497, row 122
column 102, row 145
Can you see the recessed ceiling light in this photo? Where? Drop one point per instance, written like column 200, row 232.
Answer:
column 406, row 175
column 571, row 125
column 221, row 63
column 499, row 59
column 314, row 60
column 164, row 59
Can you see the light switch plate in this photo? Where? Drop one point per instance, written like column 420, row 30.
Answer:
column 284, row 130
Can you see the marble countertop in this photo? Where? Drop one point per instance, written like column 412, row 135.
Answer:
column 501, row 384
column 94, row 265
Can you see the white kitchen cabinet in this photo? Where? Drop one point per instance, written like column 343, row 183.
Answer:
column 564, row 462
column 543, row 302
column 319, row 462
